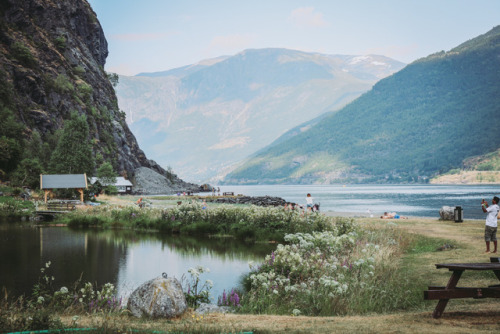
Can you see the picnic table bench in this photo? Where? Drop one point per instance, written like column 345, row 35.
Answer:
column 228, row 193
column 451, row 291
column 62, row 205
column 55, row 208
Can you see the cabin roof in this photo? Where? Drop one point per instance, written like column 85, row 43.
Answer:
column 120, row 181
column 63, row 181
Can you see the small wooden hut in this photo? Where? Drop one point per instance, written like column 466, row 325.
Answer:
column 63, row 181
column 123, row 185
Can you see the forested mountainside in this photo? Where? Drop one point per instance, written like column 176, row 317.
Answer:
column 58, row 109
column 426, row 119
column 205, row 117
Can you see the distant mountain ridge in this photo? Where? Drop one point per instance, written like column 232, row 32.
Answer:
column 203, row 118
column 425, row 119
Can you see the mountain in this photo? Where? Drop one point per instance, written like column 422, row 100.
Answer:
column 425, row 119
column 52, row 56
column 203, row 118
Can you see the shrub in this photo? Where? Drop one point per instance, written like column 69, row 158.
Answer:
column 60, row 42
column 10, row 206
column 324, row 273
column 84, row 90
column 62, row 84
column 22, row 53
column 247, row 222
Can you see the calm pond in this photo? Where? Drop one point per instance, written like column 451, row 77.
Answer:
column 124, row 258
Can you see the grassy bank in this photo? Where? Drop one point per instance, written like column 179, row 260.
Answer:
column 243, row 222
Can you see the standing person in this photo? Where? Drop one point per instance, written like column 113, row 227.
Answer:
column 309, row 202
column 490, row 230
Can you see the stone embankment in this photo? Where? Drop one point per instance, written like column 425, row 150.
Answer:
column 259, row 200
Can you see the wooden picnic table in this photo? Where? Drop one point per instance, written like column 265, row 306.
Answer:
column 451, row 291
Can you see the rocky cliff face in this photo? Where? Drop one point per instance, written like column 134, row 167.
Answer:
column 52, row 56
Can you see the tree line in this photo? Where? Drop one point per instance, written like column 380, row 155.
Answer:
column 67, row 151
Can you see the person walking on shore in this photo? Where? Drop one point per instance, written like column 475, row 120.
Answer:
column 309, row 202
column 490, row 230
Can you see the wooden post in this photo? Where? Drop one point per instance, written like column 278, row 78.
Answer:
column 45, row 193
column 81, row 194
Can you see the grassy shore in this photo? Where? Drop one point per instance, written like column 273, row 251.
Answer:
column 461, row 316
column 464, row 243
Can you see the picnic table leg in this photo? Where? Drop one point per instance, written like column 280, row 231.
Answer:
column 495, row 260
column 452, row 283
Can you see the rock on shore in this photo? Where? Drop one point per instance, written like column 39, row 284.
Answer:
column 149, row 181
column 259, row 200
column 158, row 298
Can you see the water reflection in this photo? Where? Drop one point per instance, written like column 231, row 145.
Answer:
column 125, row 258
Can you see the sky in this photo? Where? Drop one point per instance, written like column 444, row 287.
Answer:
column 159, row 35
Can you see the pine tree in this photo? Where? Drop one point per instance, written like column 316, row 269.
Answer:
column 106, row 174
column 73, row 153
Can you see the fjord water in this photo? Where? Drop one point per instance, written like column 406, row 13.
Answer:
column 363, row 200
column 124, row 258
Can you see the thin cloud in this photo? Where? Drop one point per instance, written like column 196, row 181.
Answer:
column 231, row 42
column 397, row 52
column 123, row 69
column 141, row 37
column 307, row 17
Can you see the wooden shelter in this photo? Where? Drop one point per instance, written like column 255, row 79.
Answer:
column 63, row 181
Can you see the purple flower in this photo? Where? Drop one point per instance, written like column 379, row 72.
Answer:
column 236, row 299
column 271, row 261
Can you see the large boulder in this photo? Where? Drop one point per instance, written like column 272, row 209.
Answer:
column 447, row 213
column 158, row 298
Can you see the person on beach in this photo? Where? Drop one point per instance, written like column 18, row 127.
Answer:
column 309, row 202
column 490, row 229
column 392, row 215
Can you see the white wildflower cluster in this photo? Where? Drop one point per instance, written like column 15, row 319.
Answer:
column 62, row 293
column 196, row 272
column 194, row 291
column 108, row 291
column 316, row 265
column 86, row 293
